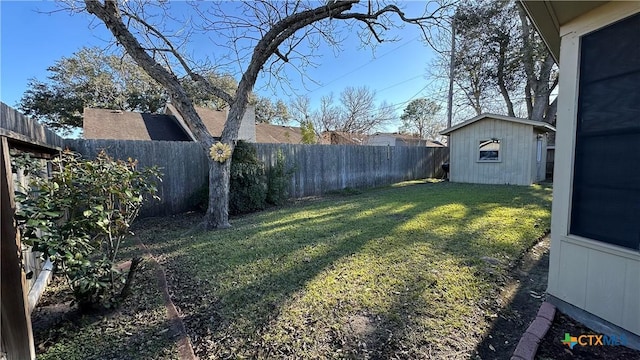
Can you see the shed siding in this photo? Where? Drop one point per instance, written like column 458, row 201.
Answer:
column 517, row 144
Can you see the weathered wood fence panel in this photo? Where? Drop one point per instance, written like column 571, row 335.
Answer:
column 21, row 134
column 318, row 168
column 19, row 127
column 322, row 168
column 183, row 165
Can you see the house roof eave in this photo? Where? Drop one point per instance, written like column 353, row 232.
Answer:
column 548, row 16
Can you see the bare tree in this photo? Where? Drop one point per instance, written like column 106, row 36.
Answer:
column 267, row 33
column 327, row 118
column 359, row 113
column 501, row 63
column 542, row 75
column 355, row 111
column 300, row 109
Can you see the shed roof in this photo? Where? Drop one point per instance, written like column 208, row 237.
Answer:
column 540, row 125
column 548, row 16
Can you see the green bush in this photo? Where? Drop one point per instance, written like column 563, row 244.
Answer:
column 251, row 187
column 277, row 180
column 79, row 217
column 248, row 189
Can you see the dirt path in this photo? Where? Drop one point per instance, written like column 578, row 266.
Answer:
column 522, row 295
column 185, row 350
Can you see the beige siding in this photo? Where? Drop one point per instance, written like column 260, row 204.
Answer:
column 516, row 160
column 597, row 277
column 600, row 278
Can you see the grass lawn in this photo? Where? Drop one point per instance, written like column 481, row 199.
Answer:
column 409, row 271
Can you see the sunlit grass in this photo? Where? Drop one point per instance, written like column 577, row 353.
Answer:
column 393, row 271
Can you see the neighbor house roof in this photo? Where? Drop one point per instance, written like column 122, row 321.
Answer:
column 343, row 138
column 278, row 134
column 540, row 125
column 435, row 143
column 127, row 125
column 399, row 136
column 548, row 16
column 411, row 138
column 213, row 120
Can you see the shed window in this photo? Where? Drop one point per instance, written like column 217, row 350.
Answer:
column 606, row 182
column 489, row 150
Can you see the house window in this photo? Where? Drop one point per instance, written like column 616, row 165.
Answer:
column 489, row 150
column 605, row 203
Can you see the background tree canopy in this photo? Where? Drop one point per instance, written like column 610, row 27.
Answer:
column 90, row 78
column 93, row 78
column 421, row 117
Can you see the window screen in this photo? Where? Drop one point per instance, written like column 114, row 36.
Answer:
column 606, row 183
column 489, row 150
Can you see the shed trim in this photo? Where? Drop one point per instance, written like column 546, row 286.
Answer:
column 540, row 125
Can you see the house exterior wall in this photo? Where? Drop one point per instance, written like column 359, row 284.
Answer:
column 381, row 140
column 597, row 277
column 516, row 153
column 247, row 130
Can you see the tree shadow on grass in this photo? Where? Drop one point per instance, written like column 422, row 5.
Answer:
column 238, row 288
column 518, row 304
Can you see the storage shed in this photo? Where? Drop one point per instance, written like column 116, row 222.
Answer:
column 496, row 149
column 594, row 263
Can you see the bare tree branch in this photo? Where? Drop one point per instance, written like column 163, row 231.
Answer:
column 110, row 15
column 214, row 90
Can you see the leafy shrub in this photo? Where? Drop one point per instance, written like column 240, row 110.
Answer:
column 251, row 187
column 79, row 217
column 277, row 180
column 248, row 189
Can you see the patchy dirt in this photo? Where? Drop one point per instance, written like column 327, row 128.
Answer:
column 551, row 346
column 522, row 295
column 137, row 330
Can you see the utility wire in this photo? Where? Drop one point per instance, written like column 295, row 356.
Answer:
column 365, row 64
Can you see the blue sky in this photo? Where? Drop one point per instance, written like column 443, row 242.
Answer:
column 31, row 40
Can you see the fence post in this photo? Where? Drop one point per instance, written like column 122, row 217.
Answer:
column 16, row 335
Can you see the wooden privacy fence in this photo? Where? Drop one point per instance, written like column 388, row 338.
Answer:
column 318, row 168
column 19, row 292
column 322, row 168
column 183, row 165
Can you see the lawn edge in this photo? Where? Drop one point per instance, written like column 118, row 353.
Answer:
column 185, row 349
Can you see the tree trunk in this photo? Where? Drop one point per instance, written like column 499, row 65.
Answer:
column 501, row 80
column 217, row 216
column 542, row 90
